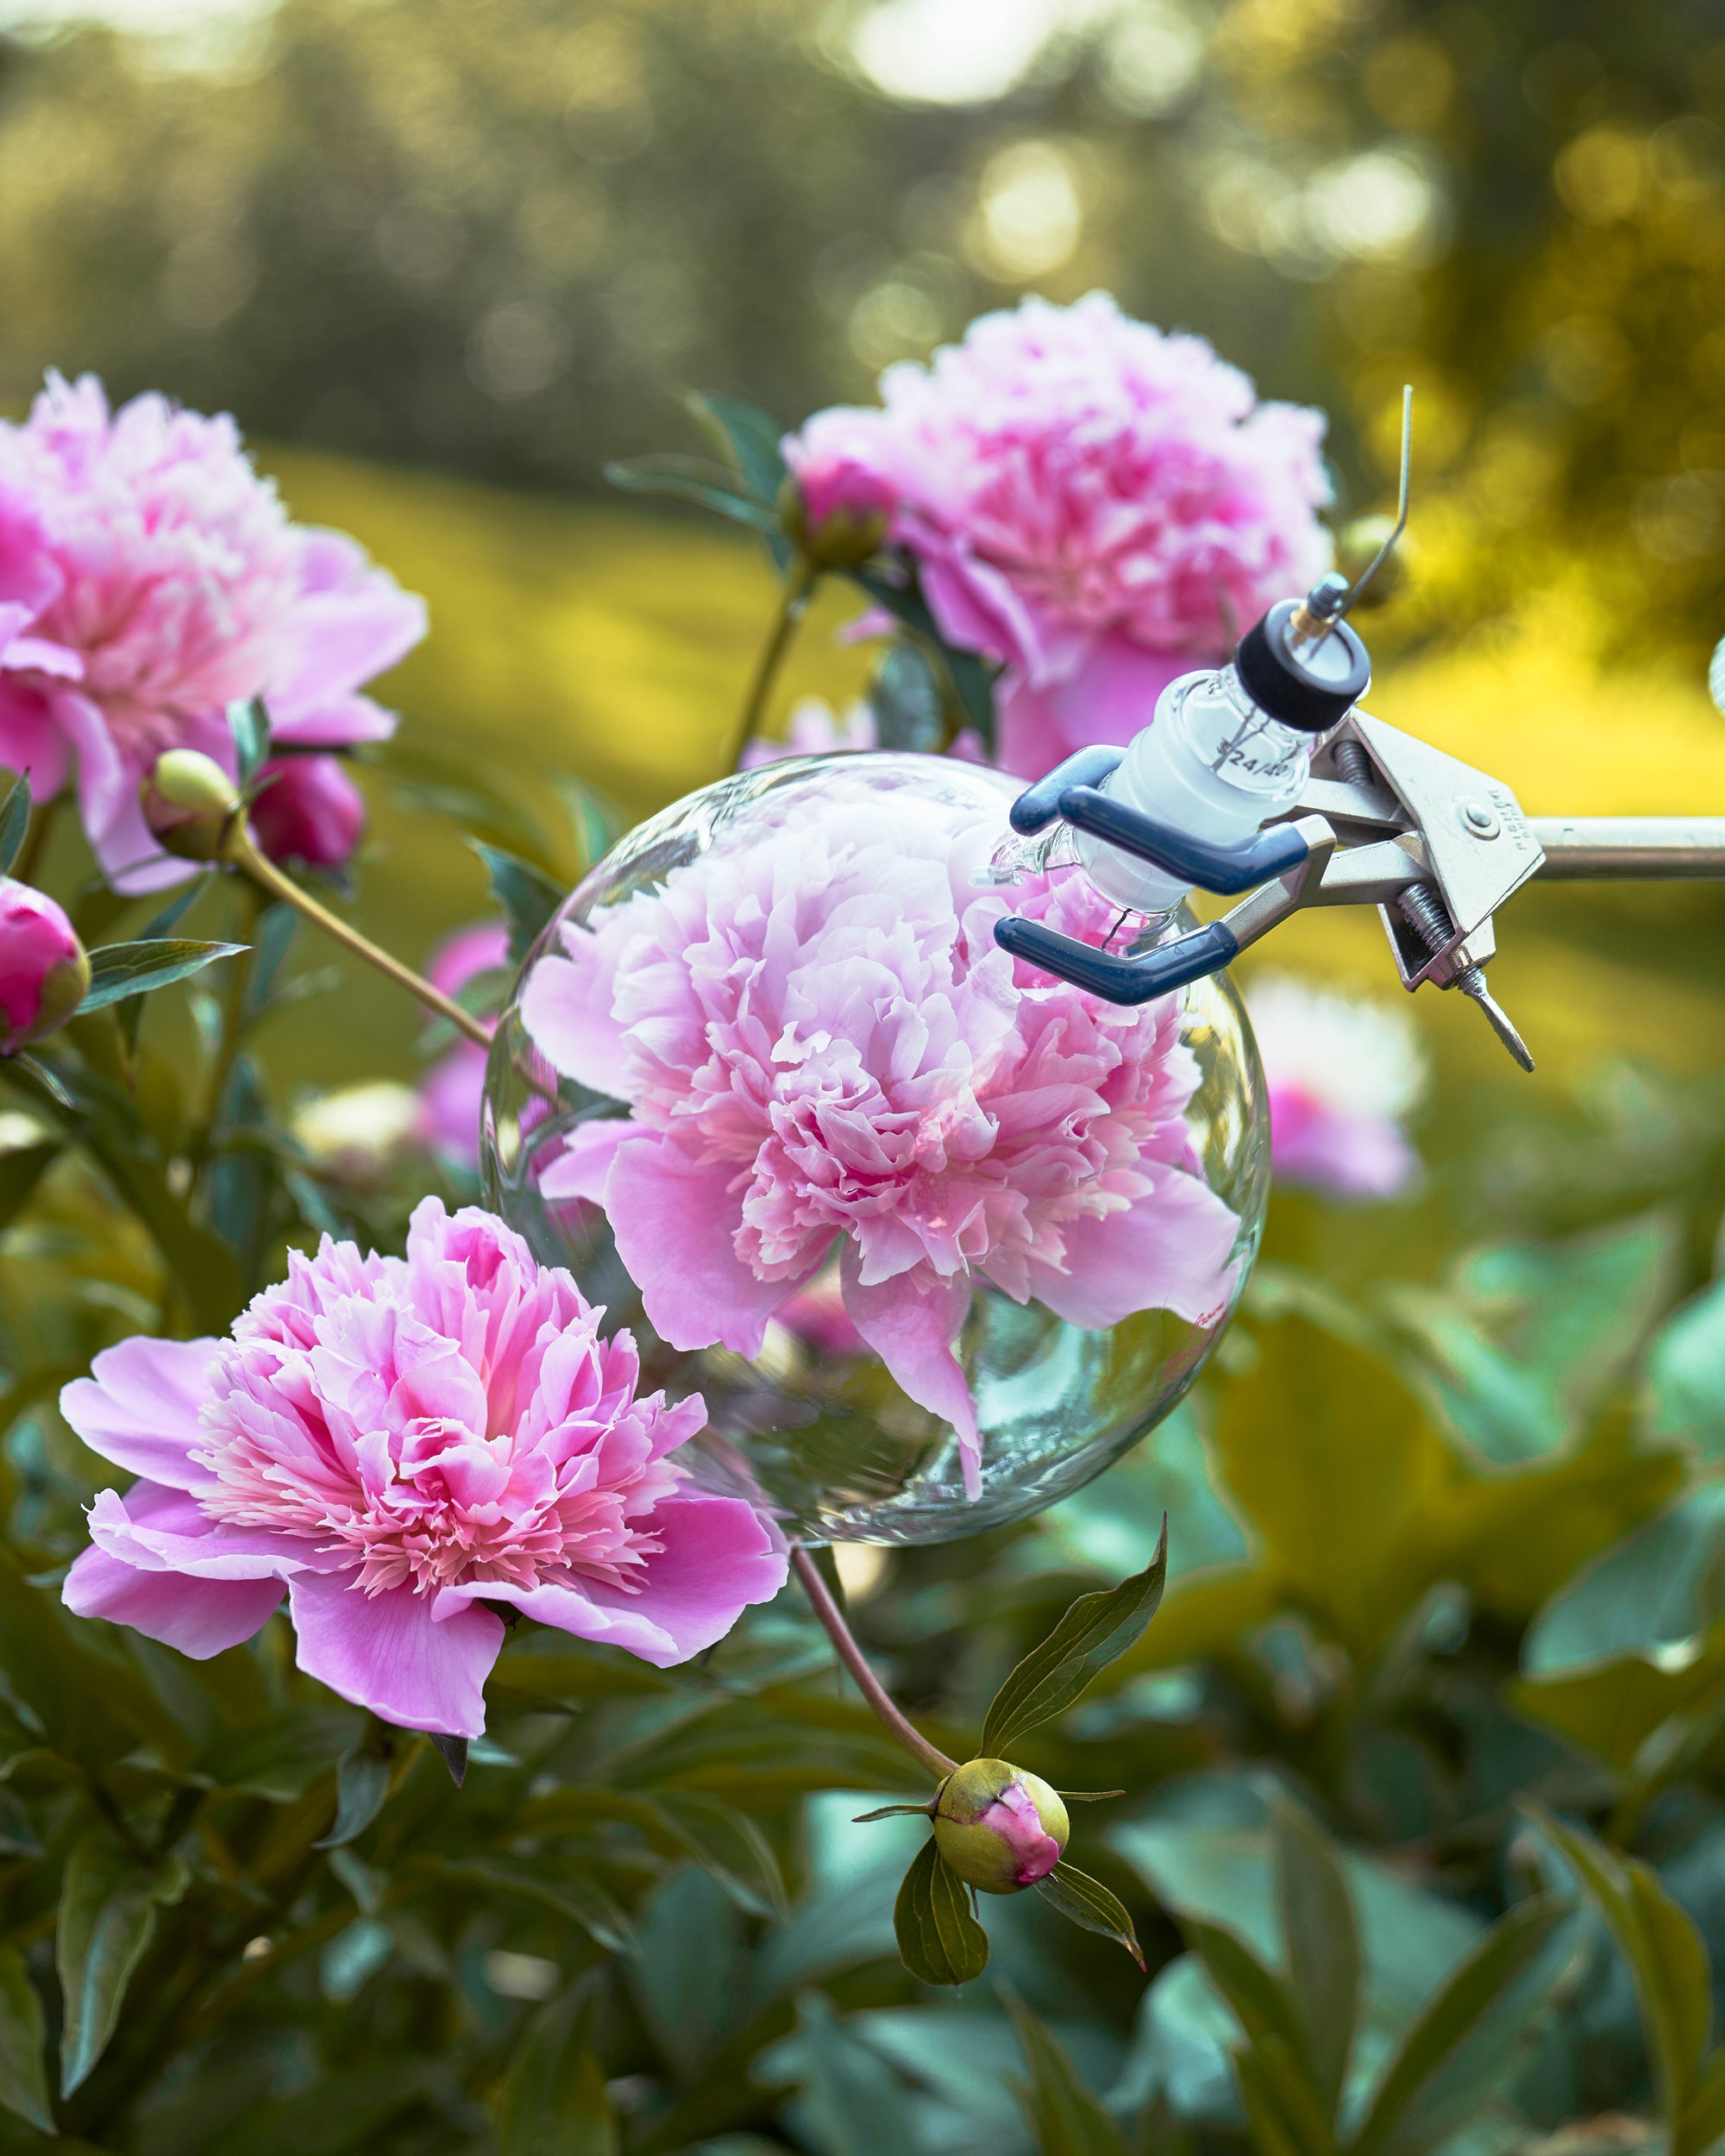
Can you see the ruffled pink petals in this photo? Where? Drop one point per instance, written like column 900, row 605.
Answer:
column 1109, row 697
column 912, row 1323
column 158, row 1530
column 675, row 1220
column 1173, row 1249
column 200, row 1617
column 718, row 1557
column 140, row 1404
column 566, row 1005
column 390, row 1653
column 583, row 1167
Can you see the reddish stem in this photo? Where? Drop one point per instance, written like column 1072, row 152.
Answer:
column 857, row 1662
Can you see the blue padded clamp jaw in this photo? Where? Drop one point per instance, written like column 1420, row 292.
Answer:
column 1071, row 792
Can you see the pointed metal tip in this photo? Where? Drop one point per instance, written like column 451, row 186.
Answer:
column 1472, row 983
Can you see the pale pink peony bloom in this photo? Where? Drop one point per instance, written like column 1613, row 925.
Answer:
column 815, row 729
column 1340, row 1072
column 452, row 1092
column 169, row 582
column 1097, row 505
column 398, row 1443
column 309, row 811
column 820, row 1045
column 43, row 970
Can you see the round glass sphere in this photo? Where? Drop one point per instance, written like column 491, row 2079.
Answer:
column 936, row 1237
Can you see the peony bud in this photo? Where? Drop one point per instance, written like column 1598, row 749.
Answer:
column 44, row 973
column 309, row 811
column 189, row 804
column 999, row 1828
column 835, row 513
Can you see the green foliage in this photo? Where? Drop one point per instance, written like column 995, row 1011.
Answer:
column 119, row 971
column 940, row 1940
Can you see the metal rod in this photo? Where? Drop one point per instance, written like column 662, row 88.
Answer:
column 1630, row 848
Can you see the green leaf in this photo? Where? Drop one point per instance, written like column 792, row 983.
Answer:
column 527, row 895
column 1065, row 2118
column 23, row 2068
column 1280, row 2101
column 107, row 1917
column 248, row 724
column 1461, row 2005
column 21, row 1168
column 1323, row 1943
column 968, row 678
column 1257, row 1997
column 1087, row 1902
column 452, row 1751
column 749, row 436
column 15, row 820
column 361, row 1784
column 552, row 2100
column 940, row 1940
column 688, row 479
column 1095, row 1631
column 726, row 1843
column 280, row 1757
column 860, row 2107
column 132, row 969
column 569, row 1894
column 1702, row 2121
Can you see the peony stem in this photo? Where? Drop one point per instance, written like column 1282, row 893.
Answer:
column 243, row 852
column 792, row 606
column 857, row 1662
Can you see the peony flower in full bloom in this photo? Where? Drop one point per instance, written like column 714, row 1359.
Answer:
column 1096, row 505
column 1341, row 1072
column 401, row 1446
column 453, row 1089
column 822, row 1049
column 165, row 581
column 44, row 973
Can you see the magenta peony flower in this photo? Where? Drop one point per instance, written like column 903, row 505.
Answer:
column 816, row 729
column 452, row 1090
column 44, row 973
column 168, row 582
column 398, row 1443
column 821, row 1047
column 1341, row 1074
column 309, row 811
column 1096, row 505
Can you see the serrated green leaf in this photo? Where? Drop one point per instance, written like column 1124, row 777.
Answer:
column 687, row 479
column 107, row 1918
column 1473, row 1992
column 1065, row 2118
column 361, row 1784
column 23, row 2032
column 15, row 820
column 133, row 969
column 1323, row 1943
column 1087, row 1902
column 1095, row 1631
column 527, row 895
column 749, row 436
column 552, row 2100
column 248, row 724
column 940, row 1940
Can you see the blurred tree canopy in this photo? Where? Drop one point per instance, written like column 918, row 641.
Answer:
column 499, row 240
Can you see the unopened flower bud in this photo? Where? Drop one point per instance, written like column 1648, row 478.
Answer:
column 835, row 513
column 189, row 804
column 44, row 973
column 999, row 1828
column 310, row 810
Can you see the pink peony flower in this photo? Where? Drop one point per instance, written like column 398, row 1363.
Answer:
column 44, row 973
column 821, row 1046
column 1340, row 1073
column 816, row 729
column 168, row 581
column 397, row 1444
column 452, row 1090
column 1096, row 505
column 309, row 811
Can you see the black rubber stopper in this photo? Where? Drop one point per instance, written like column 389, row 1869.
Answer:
column 1278, row 684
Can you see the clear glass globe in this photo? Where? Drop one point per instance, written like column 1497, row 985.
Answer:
column 850, row 1112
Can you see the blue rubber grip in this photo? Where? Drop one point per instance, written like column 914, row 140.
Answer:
column 1116, row 979
column 1037, row 807
column 1226, row 870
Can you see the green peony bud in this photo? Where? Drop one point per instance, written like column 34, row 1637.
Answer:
column 999, row 1828
column 835, row 516
column 190, row 804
